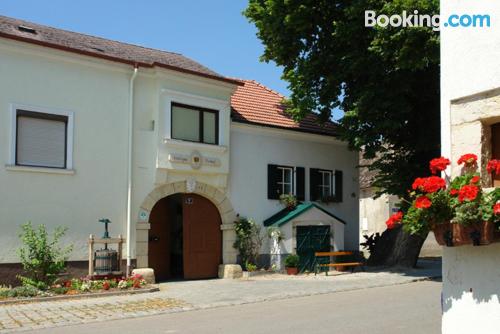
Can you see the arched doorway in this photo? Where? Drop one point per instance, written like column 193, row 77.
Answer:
column 185, row 239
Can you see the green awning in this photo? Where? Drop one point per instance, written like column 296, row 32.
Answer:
column 285, row 215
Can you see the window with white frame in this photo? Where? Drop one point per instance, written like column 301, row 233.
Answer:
column 42, row 139
column 326, row 186
column 286, row 180
column 195, row 124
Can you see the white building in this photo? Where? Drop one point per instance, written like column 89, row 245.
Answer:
column 470, row 114
column 165, row 148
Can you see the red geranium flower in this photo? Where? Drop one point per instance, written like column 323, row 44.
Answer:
column 418, row 183
column 429, row 184
column 433, row 184
column 423, row 202
column 475, row 179
column 493, row 166
column 467, row 159
column 453, row 192
column 496, row 209
column 468, row 192
column 394, row 220
column 438, row 164
column 105, row 285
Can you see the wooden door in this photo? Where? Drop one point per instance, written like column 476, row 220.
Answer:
column 202, row 237
column 159, row 240
column 311, row 239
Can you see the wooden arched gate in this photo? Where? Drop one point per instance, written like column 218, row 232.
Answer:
column 185, row 239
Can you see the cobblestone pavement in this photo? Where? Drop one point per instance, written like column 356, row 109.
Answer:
column 32, row 316
column 201, row 294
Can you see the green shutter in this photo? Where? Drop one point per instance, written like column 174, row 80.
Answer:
column 314, row 182
column 300, row 188
column 338, row 185
column 273, row 191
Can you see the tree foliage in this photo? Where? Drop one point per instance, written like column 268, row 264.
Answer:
column 385, row 80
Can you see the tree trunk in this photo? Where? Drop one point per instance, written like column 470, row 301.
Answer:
column 396, row 248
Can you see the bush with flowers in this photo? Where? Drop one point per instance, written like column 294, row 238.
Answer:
column 76, row 286
column 437, row 202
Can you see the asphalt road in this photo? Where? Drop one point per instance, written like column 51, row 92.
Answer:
column 406, row 308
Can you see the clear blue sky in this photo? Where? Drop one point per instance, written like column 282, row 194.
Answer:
column 212, row 32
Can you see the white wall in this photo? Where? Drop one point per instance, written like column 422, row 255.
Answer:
column 253, row 148
column 97, row 95
column 469, row 57
column 471, row 289
column 470, row 64
column 311, row 217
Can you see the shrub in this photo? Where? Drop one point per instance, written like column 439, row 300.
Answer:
column 41, row 256
column 22, row 291
column 292, row 261
column 248, row 240
column 251, row 266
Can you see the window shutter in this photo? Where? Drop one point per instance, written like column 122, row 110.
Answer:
column 273, row 190
column 314, row 182
column 301, row 183
column 338, row 185
column 41, row 142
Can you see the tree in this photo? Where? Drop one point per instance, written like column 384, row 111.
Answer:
column 385, row 80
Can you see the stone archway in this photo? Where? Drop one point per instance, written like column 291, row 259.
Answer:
column 216, row 196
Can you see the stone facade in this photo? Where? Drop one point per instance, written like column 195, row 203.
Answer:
column 471, row 119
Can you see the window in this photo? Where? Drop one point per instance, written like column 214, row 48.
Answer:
column 41, row 139
column 195, row 124
column 325, row 186
column 285, row 180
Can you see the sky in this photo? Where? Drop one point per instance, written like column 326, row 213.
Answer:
column 213, row 32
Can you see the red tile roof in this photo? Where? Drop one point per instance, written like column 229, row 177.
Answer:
column 102, row 48
column 254, row 103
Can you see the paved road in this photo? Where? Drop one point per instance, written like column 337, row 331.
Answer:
column 406, row 308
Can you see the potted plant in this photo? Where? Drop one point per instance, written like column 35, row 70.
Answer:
column 458, row 211
column 291, row 264
column 289, row 201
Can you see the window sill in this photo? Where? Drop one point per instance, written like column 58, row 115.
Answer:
column 193, row 145
column 28, row 169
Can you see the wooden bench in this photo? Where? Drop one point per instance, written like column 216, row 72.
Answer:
column 319, row 265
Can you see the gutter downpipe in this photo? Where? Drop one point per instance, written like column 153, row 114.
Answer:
column 129, row 169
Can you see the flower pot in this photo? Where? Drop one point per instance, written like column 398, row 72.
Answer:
column 443, row 233
column 340, row 268
column 475, row 234
column 291, row 270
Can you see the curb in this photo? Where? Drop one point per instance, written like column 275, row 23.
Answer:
column 80, row 296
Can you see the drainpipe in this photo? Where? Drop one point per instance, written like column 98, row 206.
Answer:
column 129, row 169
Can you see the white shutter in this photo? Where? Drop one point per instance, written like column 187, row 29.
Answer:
column 41, row 142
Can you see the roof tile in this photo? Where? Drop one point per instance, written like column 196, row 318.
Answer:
column 254, row 103
column 102, row 48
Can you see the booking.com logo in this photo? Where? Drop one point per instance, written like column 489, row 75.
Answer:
column 425, row 20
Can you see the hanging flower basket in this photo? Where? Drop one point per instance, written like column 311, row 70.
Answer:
column 443, row 233
column 476, row 234
column 459, row 211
